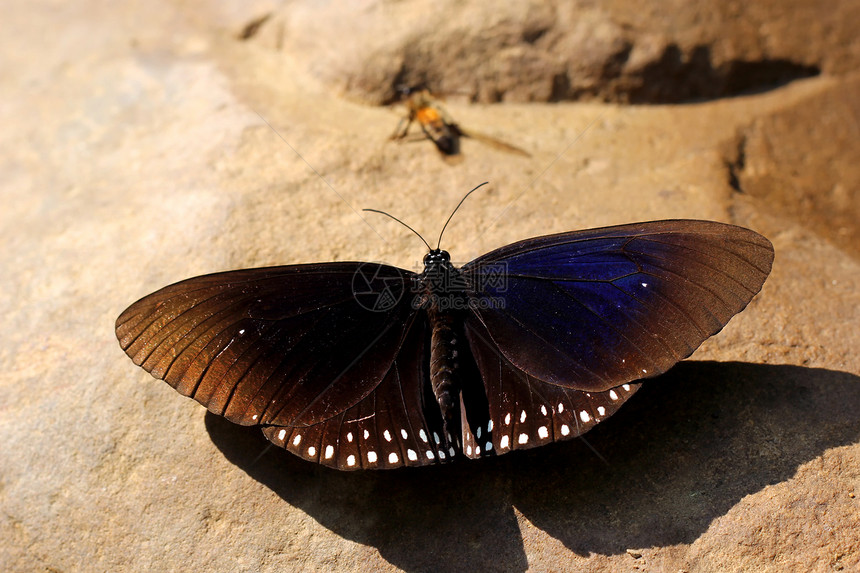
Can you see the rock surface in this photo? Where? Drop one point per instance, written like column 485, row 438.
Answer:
column 552, row 50
column 143, row 144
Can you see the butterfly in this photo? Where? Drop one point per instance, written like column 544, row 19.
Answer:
column 438, row 126
column 359, row 365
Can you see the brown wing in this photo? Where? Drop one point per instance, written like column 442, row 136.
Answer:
column 291, row 345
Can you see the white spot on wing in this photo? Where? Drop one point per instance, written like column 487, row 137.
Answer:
column 468, row 450
column 392, row 458
column 613, row 395
column 281, row 434
column 565, row 430
column 543, row 409
column 490, row 426
column 626, row 387
column 441, row 454
column 508, row 419
column 522, row 439
column 387, row 435
column 329, row 452
column 297, row 440
column 601, row 410
column 350, row 460
column 583, row 415
column 312, row 451
column 488, row 446
column 560, row 407
column 349, row 437
column 430, row 455
column 522, row 416
column 451, row 451
column 412, row 455
column 254, row 417
column 403, row 433
column 479, row 432
column 423, row 435
column 543, row 432
column 371, row 457
column 436, row 438
column 503, row 443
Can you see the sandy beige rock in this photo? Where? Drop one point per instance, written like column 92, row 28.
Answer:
column 818, row 190
column 136, row 151
column 551, row 50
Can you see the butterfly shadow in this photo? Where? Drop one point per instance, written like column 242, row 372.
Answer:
column 447, row 518
column 686, row 449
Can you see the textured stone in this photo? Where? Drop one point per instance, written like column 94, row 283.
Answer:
column 552, row 50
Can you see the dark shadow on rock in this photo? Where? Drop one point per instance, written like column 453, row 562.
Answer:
column 677, row 77
column 681, row 453
column 685, row 450
column 448, row 518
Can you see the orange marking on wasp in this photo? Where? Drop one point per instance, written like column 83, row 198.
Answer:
column 438, row 126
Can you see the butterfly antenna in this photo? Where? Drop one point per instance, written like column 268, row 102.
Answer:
column 455, row 210
column 429, row 248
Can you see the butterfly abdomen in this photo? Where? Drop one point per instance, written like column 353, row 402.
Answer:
column 443, row 299
column 443, row 362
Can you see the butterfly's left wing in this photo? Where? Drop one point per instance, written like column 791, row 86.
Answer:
column 330, row 359
column 290, row 345
column 398, row 424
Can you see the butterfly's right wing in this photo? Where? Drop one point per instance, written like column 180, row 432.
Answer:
column 564, row 325
column 284, row 346
column 591, row 310
column 523, row 412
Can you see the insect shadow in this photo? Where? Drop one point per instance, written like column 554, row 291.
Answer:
column 685, row 450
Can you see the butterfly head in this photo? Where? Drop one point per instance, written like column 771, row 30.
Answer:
column 435, row 258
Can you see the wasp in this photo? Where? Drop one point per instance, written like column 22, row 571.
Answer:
column 438, row 126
